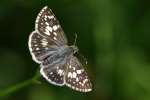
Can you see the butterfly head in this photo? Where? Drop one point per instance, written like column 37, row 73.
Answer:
column 74, row 48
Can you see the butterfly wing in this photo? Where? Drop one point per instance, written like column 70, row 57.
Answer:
column 54, row 74
column 40, row 47
column 47, row 25
column 44, row 42
column 47, row 37
column 76, row 77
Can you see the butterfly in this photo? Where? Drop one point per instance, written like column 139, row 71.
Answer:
column 48, row 47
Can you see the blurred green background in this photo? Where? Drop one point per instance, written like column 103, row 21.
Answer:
column 113, row 35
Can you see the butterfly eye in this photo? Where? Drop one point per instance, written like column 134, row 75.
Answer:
column 75, row 49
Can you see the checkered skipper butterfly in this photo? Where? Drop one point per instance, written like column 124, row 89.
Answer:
column 48, row 47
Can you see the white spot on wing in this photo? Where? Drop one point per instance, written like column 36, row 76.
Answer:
column 77, row 79
column 85, row 80
column 51, row 17
column 55, row 27
column 49, row 28
column 44, row 43
column 74, row 68
column 55, row 38
column 43, row 40
column 47, row 23
column 69, row 66
column 70, row 74
column 78, row 71
column 35, row 45
column 74, row 75
column 60, row 72
column 46, row 48
column 37, row 48
column 45, row 18
column 47, row 32
column 55, row 33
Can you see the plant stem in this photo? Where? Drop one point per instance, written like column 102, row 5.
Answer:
column 19, row 86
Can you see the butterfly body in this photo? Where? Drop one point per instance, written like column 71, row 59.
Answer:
column 49, row 48
column 60, row 55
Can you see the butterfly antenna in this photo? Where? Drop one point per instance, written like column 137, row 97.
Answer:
column 75, row 39
column 85, row 60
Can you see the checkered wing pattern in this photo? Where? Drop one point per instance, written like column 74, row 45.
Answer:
column 76, row 77
column 54, row 74
column 40, row 47
column 47, row 25
column 48, row 35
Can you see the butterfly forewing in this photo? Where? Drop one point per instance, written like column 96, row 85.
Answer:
column 76, row 77
column 47, row 25
column 54, row 74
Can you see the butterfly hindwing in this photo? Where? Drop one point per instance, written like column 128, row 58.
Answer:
column 54, row 74
column 40, row 47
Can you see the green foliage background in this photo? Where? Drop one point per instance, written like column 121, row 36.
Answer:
column 114, row 36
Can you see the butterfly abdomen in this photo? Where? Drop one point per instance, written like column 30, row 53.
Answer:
column 60, row 56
